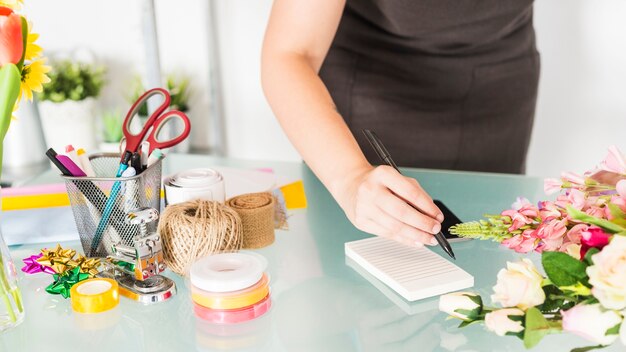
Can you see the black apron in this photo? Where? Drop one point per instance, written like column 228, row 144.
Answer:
column 446, row 84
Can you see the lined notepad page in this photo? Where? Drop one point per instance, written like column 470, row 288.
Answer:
column 413, row 273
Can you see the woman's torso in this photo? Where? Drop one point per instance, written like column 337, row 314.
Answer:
column 445, row 83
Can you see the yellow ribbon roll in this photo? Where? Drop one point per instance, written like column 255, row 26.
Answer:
column 232, row 300
column 94, row 295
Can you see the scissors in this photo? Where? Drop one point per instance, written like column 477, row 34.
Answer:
column 132, row 142
column 156, row 121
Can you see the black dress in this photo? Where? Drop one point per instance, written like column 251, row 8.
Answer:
column 446, row 84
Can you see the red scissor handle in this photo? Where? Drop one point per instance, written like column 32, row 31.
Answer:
column 134, row 140
column 158, row 125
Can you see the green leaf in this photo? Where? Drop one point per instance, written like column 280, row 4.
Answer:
column 589, row 254
column 536, row 327
column 588, row 348
column 20, row 64
column 468, row 323
column 562, row 269
column 10, row 88
column 616, row 211
column 551, row 304
column 614, row 330
column 604, row 224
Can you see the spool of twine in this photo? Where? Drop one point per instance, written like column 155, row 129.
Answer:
column 197, row 228
column 257, row 218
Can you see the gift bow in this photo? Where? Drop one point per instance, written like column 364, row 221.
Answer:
column 31, row 266
column 63, row 283
column 58, row 259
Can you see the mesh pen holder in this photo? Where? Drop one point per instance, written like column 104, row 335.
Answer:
column 89, row 195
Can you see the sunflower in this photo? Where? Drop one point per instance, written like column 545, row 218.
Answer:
column 33, row 50
column 33, row 78
column 12, row 4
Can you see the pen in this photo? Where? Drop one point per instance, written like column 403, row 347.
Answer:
column 71, row 153
column 145, row 150
column 70, row 166
column 85, row 163
column 135, row 162
column 386, row 157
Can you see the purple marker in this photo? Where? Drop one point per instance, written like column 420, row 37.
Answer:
column 70, row 166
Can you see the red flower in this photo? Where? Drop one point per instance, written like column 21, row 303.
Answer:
column 11, row 44
column 593, row 238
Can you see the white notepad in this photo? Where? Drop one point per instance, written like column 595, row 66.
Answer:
column 413, row 273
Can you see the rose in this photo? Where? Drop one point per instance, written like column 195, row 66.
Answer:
column 607, row 275
column 462, row 305
column 593, row 238
column 519, row 286
column 592, row 322
column 11, row 44
column 499, row 321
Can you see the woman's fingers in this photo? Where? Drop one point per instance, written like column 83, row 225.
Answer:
column 404, row 212
column 410, row 190
column 402, row 232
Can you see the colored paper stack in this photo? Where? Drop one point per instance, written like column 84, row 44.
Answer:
column 230, row 288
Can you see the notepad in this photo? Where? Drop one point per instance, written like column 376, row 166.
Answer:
column 413, row 273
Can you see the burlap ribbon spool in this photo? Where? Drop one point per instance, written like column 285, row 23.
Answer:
column 257, row 217
column 194, row 229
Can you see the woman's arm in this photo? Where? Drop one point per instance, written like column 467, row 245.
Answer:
column 297, row 39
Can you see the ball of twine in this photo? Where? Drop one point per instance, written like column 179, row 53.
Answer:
column 197, row 228
column 257, row 216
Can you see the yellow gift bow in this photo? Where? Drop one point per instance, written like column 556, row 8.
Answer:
column 62, row 260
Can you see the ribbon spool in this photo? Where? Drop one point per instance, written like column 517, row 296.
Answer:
column 233, row 316
column 227, row 272
column 257, row 216
column 232, row 300
column 95, row 295
column 194, row 229
column 193, row 184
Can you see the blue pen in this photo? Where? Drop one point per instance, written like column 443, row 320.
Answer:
column 108, row 207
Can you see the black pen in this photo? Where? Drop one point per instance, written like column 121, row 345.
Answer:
column 384, row 155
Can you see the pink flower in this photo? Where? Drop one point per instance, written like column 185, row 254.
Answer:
column 576, row 199
column 517, row 219
column 520, row 243
column 575, row 234
column 552, row 185
column 614, row 161
column 592, row 322
column 573, row 178
column 519, row 203
column 620, row 202
column 596, row 212
column 594, row 237
column 11, row 44
column 551, row 234
column 620, row 187
column 561, row 201
column 549, row 211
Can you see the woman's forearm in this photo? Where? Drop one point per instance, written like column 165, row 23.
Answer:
column 308, row 115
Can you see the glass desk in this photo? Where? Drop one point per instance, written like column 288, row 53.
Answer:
column 320, row 303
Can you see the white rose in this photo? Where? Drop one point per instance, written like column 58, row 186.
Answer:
column 499, row 322
column 462, row 305
column 608, row 274
column 591, row 321
column 519, row 286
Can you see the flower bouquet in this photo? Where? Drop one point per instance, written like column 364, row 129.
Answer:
column 582, row 240
column 22, row 71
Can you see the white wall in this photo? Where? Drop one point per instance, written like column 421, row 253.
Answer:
column 581, row 109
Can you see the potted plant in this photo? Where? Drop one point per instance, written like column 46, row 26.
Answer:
column 112, row 133
column 67, row 105
column 179, row 93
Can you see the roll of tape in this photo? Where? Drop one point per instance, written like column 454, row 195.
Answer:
column 233, row 316
column 232, row 300
column 227, row 272
column 205, row 184
column 94, row 295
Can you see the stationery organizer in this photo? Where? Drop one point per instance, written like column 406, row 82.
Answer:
column 88, row 199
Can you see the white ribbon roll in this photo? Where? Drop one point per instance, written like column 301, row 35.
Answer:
column 227, row 272
column 206, row 184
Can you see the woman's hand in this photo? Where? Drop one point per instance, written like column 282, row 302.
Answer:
column 382, row 202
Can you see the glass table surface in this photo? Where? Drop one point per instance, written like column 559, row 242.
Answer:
column 319, row 302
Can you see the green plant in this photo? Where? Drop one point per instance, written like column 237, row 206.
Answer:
column 73, row 81
column 112, row 122
column 177, row 86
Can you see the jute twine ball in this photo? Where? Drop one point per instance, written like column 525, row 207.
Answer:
column 194, row 229
column 257, row 216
